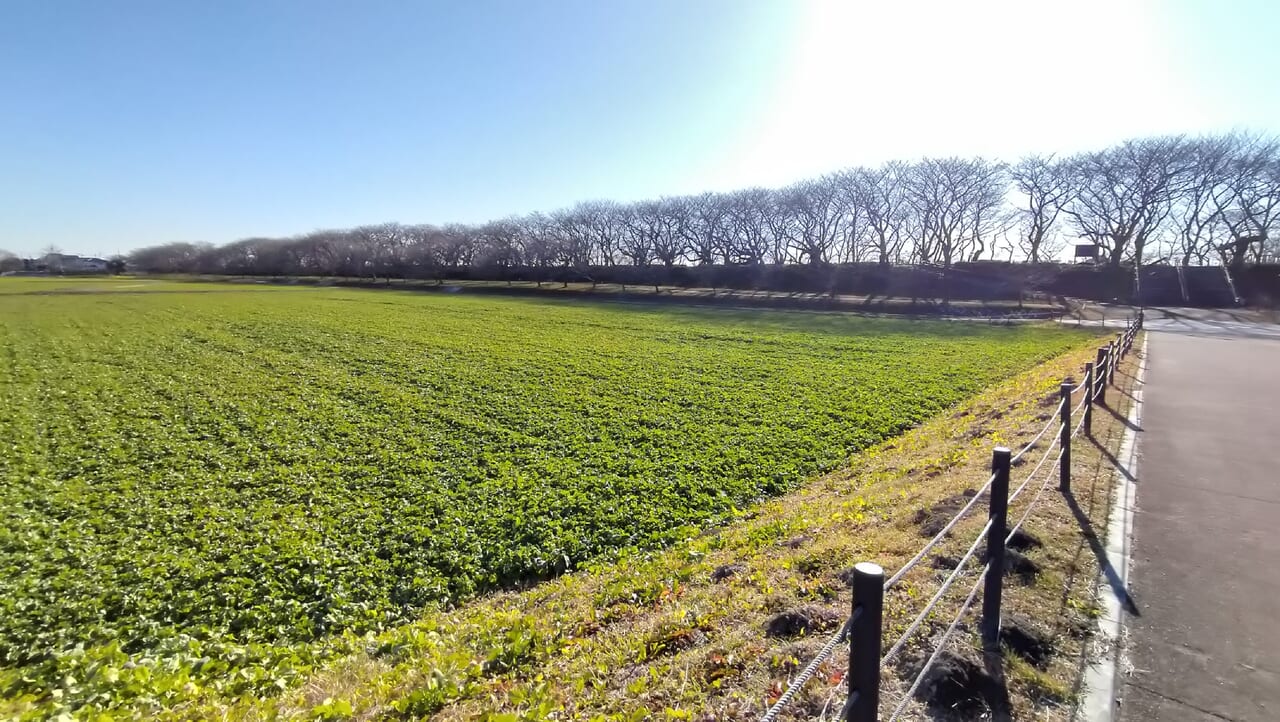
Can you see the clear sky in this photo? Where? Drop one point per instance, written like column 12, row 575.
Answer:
column 129, row 123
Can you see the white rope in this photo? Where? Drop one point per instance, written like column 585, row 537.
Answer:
column 1083, row 400
column 946, row 637
column 1056, row 440
column 897, row 647
column 809, row 670
column 897, row 576
column 1032, row 505
column 1056, row 412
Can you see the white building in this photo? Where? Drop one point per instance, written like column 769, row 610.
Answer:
column 70, row 263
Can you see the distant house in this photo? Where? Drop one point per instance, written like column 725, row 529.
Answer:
column 69, row 263
column 92, row 265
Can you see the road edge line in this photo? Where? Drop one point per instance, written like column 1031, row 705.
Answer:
column 1100, row 702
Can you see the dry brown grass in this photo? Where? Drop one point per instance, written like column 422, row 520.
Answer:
column 681, row 634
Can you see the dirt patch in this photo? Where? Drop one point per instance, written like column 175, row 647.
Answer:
column 802, row 621
column 945, row 561
column 1025, row 639
column 727, row 571
column 795, row 542
column 934, row 518
column 1019, row 566
column 670, row 641
column 1016, row 564
column 977, row 432
column 845, row 576
column 813, row 565
column 957, row 687
column 1023, row 540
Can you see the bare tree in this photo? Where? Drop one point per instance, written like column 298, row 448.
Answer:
column 603, row 222
column 782, row 215
column 1250, row 205
column 848, row 224
column 459, row 244
column 1044, row 188
column 574, row 239
column 708, row 229
column 1120, row 196
column 670, row 242
column 383, row 247
column 540, row 244
column 878, row 195
column 989, row 216
column 169, row 257
column 422, row 257
column 319, row 252
column 496, row 248
column 806, row 216
column 641, row 221
column 750, row 239
column 957, row 202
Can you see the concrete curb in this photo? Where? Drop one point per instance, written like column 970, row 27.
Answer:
column 1100, row 702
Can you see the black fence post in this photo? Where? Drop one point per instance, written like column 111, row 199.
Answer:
column 1064, row 468
column 1100, row 370
column 1088, row 398
column 1112, row 362
column 864, row 643
column 993, row 584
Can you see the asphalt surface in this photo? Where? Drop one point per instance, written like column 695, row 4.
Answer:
column 1204, row 643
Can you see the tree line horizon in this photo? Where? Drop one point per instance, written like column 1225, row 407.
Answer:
column 1202, row 200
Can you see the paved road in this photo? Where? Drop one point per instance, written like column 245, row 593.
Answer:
column 1205, row 642
column 1198, row 322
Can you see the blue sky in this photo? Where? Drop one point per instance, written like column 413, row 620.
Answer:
column 126, row 123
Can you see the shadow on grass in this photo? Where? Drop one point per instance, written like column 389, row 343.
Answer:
column 1112, row 461
column 1086, row 502
column 1100, row 552
column 998, row 699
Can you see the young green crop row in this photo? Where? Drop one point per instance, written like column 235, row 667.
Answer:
column 208, row 482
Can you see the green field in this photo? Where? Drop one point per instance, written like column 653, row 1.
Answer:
column 198, row 475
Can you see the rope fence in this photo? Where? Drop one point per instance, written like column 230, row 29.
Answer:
column 810, row 669
column 924, row 613
column 1036, row 440
column 1078, row 407
column 938, row 537
column 864, row 626
column 942, row 644
column 1036, row 470
column 1032, row 506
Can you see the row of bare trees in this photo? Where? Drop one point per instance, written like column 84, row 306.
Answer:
column 1174, row 199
